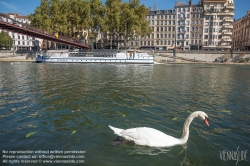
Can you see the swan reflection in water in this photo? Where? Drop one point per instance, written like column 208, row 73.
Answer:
column 148, row 150
column 152, row 151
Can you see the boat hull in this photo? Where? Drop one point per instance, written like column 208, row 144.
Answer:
column 64, row 56
column 143, row 60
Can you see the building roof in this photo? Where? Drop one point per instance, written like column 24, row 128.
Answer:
column 23, row 17
column 214, row 1
column 155, row 12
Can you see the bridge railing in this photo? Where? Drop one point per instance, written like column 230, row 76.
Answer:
column 7, row 19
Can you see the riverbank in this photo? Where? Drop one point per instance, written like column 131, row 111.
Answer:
column 189, row 58
column 17, row 58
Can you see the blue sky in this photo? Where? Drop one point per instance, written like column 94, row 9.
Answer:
column 26, row 7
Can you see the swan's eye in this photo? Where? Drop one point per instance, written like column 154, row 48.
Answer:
column 207, row 118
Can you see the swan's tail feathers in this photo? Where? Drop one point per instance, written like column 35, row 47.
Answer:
column 116, row 130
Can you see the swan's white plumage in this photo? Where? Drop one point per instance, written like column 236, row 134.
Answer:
column 155, row 138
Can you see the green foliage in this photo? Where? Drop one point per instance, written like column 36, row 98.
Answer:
column 5, row 40
column 70, row 17
column 133, row 20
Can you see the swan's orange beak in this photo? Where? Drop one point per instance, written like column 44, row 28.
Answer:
column 206, row 121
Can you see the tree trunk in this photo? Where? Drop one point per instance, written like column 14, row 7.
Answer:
column 110, row 41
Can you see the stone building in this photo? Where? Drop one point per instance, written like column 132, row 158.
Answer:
column 183, row 13
column 218, row 18
column 241, row 33
column 22, row 42
column 162, row 37
column 196, row 28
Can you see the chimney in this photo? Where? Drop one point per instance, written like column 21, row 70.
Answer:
column 155, row 7
column 248, row 12
column 190, row 2
column 149, row 8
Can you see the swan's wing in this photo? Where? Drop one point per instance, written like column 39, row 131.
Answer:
column 149, row 136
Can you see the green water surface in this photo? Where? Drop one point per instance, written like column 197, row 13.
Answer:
column 69, row 107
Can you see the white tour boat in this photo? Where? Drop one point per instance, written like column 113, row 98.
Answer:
column 64, row 56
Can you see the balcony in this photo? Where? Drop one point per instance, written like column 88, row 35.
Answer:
column 208, row 13
column 227, row 33
column 229, row 6
column 226, row 13
column 182, row 31
column 228, row 26
column 228, row 20
column 182, row 18
column 226, row 39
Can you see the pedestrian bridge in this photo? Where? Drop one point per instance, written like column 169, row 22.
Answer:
column 9, row 24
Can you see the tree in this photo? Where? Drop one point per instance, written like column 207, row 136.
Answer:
column 5, row 40
column 98, row 18
column 113, row 17
column 63, row 20
column 41, row 18
column 133, row 20
column 55, row 15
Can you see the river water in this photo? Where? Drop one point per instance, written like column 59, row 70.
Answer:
column 68, row 107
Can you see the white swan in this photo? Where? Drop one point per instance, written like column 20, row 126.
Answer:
column 155, row 138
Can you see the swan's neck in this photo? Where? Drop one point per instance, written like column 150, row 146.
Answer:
column 185, row 133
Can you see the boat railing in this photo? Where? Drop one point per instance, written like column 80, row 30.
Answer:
column 91, row 54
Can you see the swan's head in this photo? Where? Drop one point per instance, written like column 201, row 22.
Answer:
column 203, row 116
